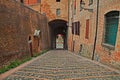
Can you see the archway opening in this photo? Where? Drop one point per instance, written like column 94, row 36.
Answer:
column 58, row 33
column 59, row 41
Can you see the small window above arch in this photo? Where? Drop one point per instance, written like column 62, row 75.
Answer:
column 22, row 1
column 57, row 0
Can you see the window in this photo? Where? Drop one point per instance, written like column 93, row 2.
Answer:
column 74, row 7
column 111, row 27
column 29, row 38
column 38, row 1
column 90, row 2
column 57, row 0
column 21, row 1
column 76, row 28
column 58, row 12
column 87, row 29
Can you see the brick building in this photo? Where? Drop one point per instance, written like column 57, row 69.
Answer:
column 95, row 30
column 90, row 28
column 87, row 28
column 23, row 31
column 57, row 13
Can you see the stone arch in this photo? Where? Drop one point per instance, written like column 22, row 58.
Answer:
column 58, row 26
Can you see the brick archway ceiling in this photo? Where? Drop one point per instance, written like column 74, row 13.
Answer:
column 58, row 26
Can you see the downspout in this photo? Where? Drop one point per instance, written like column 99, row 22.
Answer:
column 69, row 12
column 95, row 40
column 68, row 21
column 40, row 6
column 73, row 43
column 28, row 2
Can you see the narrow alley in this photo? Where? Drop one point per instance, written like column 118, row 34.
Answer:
column 63, row 65
column 82, row 38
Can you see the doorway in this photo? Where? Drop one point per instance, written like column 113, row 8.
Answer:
column 30, row 46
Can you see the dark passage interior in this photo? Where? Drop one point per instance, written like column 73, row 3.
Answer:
column 58, row 33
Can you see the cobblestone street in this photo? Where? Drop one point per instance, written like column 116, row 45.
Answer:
column 63, row 65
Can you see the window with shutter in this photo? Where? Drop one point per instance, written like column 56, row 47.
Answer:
column 76, row 28
column 72, row 28
column 87, row 29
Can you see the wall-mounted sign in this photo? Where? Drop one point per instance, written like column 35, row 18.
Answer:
column 37, row 32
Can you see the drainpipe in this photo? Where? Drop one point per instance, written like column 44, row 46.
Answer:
column 73, row 25
column 68, row 12
column 40, row 6
column 28, row 2
column 68, row 21
column 95, row 40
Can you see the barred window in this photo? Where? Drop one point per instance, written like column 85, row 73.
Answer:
column 111, row 27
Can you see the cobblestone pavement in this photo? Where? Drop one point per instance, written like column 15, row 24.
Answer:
column 63, row 65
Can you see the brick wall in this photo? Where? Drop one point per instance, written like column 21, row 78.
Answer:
column 17, row 24
column 102, row 53
column 49, row 7
column 30, row 2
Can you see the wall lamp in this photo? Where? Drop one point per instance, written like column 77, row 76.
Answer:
column 82, row 6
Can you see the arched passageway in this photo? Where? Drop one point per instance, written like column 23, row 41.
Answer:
column 58, row 33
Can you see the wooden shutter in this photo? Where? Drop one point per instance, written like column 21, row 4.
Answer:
column 78, row 28
column 87, row 29
column 72, row 28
